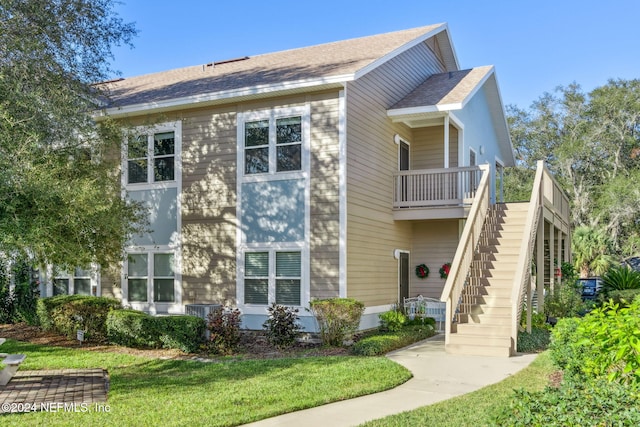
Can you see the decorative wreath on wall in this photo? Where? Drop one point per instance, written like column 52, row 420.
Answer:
column 422, row 271
column 444, row 270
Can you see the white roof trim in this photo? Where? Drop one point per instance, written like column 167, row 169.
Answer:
column 195, row 101
column 378, row 62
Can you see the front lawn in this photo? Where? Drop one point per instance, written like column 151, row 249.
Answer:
column 145, row 391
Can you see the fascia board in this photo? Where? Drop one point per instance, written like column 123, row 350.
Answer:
column 223, row 96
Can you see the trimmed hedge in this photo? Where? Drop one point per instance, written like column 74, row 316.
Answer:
column 66, row 314
column 134, row 328
column 379, row 344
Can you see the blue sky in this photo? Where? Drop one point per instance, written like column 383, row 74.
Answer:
column 535, row 45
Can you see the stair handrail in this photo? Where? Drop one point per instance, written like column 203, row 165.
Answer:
column 461, row 264
column 523, row 268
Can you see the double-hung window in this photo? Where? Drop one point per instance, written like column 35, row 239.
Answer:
column 273, row 145
column 150, row 273
column 152, row 177
column 272, row 276
column 151, row 158
column 79, row 282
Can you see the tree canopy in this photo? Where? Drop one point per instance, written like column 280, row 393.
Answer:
column 591, row 142
column 60, row 189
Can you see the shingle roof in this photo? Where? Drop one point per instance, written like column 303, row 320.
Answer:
column 323, row 61
column 445, row 88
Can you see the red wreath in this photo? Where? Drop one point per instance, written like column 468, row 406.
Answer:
column 444, row 270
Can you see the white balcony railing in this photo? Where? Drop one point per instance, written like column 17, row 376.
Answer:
column 435, row 187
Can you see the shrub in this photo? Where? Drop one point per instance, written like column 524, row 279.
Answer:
column 574, row 404
column 282, row 326
column 537, row 340
column 623, row 297
column 566, row 301
column 421, row 321
column 376, row 345
column 224, row 330
column 619, row 279
column 338, row 318
column 612, row 335
column 184, row 332
column 134, row 328
column 18, row 304
column 66, row 314
column 564, row 352
column 392, row 320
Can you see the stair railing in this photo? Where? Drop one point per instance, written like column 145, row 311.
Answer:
column 523, row 267
column 463, row 258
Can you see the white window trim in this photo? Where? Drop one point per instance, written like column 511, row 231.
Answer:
column 303, row 246
column 399, row 141
column 471, row 149
column 175, row 127
column 176, row 245
column 272, row 249
column 150, row 305
column 94, row 277
column 272, row 115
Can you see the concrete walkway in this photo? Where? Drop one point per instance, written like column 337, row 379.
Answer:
column 437, row 376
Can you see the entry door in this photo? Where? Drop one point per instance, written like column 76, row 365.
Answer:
column 403, row 279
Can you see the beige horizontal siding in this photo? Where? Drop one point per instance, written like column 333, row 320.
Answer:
column 372, row 157
column 209, row 206
column 434, row 243
column 324, row 189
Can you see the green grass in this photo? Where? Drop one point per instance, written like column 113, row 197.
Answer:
column 474, row 409
column 150, row 392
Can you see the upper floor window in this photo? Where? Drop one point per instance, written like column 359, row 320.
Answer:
column 273, row 145
column 151, row 158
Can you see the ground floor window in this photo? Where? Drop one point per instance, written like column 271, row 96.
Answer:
column 151, row 277
column 81, row 281
column 272, row 276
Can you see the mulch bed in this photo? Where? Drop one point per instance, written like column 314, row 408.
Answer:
column 253, row 345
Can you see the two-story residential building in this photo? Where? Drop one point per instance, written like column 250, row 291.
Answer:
column 325, row 171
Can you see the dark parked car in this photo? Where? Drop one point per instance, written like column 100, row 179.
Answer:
column 633, row 263
column 590, row 287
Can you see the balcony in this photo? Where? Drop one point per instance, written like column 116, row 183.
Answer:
column 435, row 193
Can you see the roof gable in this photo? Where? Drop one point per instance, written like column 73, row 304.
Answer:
column 268, row 74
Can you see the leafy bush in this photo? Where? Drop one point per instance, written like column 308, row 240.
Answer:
column 134, row 328
column 537, row 340
column 619, row 279
column 19, row 304
column 392, row 320
column 612, row 334
column 421, row 321
column 564, row 352
column 376, row 345
column 66, row 314
column 224, row 330
column 282, row 326
column 338, row 318
column 566, row 301
column 623, row 297
column 574, row 404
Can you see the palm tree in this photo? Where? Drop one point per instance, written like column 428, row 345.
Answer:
column 591, row 248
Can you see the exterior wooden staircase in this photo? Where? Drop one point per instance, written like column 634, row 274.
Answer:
column 483, row 320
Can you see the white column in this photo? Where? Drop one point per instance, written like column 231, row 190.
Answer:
column 446, row 141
